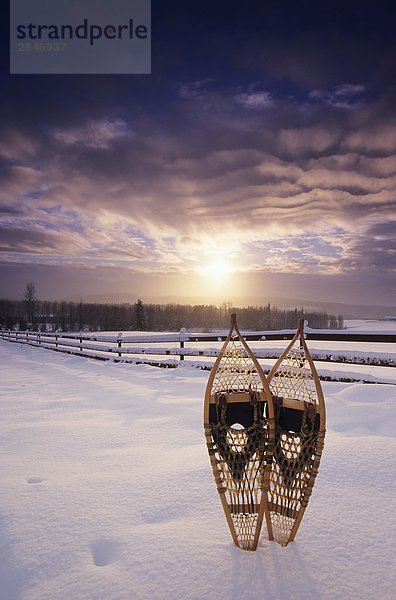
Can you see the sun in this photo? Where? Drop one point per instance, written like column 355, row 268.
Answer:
column 217, row 270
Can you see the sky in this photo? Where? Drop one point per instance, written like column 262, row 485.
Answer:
column 258, row 159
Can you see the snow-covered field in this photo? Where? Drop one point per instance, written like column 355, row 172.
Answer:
column 385, row 326
column 107, row 493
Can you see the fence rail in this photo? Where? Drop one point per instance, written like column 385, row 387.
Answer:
column 328, row 335
column 127, row 348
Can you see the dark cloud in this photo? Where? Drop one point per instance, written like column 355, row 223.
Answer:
column 24, row 240
column 374, row 249
column 197, row 179
column 9, row 210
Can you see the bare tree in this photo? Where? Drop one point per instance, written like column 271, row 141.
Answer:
column 30, row 301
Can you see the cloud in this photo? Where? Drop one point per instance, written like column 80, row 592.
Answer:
column 345, row 95
column 303, row 142
column 349, row 89
column 274, row 146
column 372, row 249
column 297, row 179
column 193, row 89
column 378, row 167
column 34, row 240
column 17, row 182
column 16, row 146
column 255, row 100
column 94, row 134
column 372, row 139
column 9, row 210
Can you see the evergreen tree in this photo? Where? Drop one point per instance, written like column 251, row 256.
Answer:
column 140, row 316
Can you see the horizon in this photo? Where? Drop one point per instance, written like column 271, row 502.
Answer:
column 257, row 160
column 347, row 311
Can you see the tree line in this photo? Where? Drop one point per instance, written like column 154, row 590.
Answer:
column 46, row 315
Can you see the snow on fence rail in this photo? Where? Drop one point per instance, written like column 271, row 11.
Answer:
column 128, row 348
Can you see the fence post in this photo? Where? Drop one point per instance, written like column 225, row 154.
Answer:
column 81, row 347
column 119, row 341
column 182, row 339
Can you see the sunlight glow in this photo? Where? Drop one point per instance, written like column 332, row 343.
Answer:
column 218, row 270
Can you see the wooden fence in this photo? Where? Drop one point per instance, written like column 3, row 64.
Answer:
column 155, row 347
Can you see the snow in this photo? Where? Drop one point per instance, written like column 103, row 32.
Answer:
column 107, row 491
column 371, row 361
column 373, row 325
